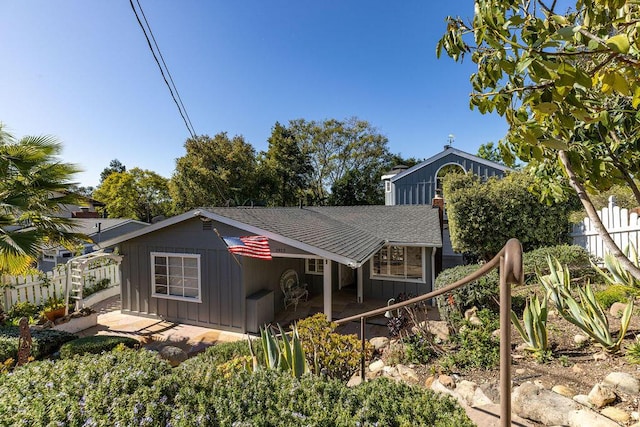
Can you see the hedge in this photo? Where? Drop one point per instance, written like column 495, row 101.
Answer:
column 95, row 345
column 44, row 342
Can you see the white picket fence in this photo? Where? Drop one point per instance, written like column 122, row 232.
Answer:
column 37, row 289
column 623, row 227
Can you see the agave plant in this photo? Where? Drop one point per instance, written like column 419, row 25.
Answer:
column 283, row 354
column 615, row 273
column 586, row 313
column 534, row 327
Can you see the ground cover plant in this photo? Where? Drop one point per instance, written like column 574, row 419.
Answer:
column 128, row 387
column 44, row 342
column 95, row 345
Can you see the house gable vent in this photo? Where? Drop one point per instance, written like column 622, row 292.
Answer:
column 207, row 225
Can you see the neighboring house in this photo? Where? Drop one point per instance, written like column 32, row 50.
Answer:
column 180, row 269
column 88, row 208
column 422, row 185
column 97, row 229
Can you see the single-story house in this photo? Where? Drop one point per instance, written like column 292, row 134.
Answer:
column 180, row 269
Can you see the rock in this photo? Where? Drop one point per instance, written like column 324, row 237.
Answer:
column 522, row 347
column 376, row 366
column 623, row 382
column 520, row 371
column 407, row 374
column 617, row 308
column 615, row 414
column 563, row 391
column 577, row 369
column 601, row 395
column 585, row 417
column 540, row 405
column 600, row 356
column 635, row 415
column 580, row 339
column 475, row 320
column 447, row 381
column 440, row 329
column 429, row 381
column 583, row 399
column 390, row 371
column 379, row 343
column 472, row 394
column 470, row 312
column 354, row 381
column 174, row 355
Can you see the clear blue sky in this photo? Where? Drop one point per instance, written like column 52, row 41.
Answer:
column 82, row 71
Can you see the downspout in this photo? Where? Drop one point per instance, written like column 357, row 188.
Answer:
column 433, row 269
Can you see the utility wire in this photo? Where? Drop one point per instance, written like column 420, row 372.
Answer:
column 172, row 87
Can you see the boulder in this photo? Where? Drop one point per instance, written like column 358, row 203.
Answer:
column 617, row 308
column 623, row 382
column 376, row 366
column 379, row 343
column 601, row 395
column 541, row 405
column 616, row 414
column 174, row 355
column 585, row 417
column 440, row 329
column 564, row 391
column 407, row 374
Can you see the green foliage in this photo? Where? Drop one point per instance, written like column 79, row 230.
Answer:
column 586, row 313
column 328, row 352
column 138, row 388
column 534, row 327
column 216, row 171
column 615, row 273
column 418, row 349
column 633, row 352
column 44, row 342
column 115, row 166
column 281, row 352
column 138, row 194
column 30, row 171
column 622, row 193
column 483, row 216
column 576, row 258
column 95, row 345
column 614, row 293
column 95, row 286
column 482, row 293
column 476, row 346
column 23, row 309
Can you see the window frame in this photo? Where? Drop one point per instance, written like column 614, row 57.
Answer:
column 389, row 276
column 314, row 271
column 182, row 256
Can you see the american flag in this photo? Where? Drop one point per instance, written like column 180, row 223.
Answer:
column 252, row 246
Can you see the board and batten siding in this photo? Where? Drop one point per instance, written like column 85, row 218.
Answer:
column 419, row 186
column 225, row 282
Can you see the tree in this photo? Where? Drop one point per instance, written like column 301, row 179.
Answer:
column 137, row 194
column 31, row 173
column 493, row 153
column 215, row 171
column 285, row 169
column 568, row 84
column 336, row 147
column 82, row 190
column 114, row 166
column 484, row 215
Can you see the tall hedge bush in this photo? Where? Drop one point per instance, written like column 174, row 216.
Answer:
column 484, row 215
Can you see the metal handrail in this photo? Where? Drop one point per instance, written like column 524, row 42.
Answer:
column 509, row 261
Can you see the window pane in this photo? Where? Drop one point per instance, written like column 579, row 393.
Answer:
column 175, row 281
column 190, row 282
column 161, row 290
column 191, row 293
column 175, row 291
column 175, row 271
column 160, row 269
column 191, row 262
column 397, row 261
column 160, row 260
column 161, row 280
column 414, row 263
column 319, row 266
column 175, row 261
column 191, row 272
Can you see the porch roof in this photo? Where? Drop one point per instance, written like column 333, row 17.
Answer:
column 348, row 234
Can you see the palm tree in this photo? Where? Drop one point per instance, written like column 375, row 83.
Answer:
column 30, row 175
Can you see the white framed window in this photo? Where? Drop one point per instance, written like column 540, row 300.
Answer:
column 387, row 186
column 314, row 266
column 406, row 263
column 49, row 255
column 176, row 276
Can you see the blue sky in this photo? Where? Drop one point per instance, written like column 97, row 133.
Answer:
column 82, row 71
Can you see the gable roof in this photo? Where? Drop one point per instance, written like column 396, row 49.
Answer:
column 447, row 152
column 348, row 235
column 88, row 226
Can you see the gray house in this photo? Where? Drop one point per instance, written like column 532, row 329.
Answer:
column 181, row 270
column 422, row 183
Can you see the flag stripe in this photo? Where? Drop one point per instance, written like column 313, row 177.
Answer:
column 251, row 246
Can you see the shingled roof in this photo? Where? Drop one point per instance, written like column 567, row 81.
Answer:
column 346, row 234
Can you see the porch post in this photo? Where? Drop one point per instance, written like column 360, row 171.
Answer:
column 360, row 285
column 326, row 288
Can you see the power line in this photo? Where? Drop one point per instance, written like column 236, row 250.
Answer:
column 172, row 87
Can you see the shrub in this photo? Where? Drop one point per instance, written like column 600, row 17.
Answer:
column 217, row 359
column 418, row 349
column 633, row 352
column 483, row 216
column 138, row 388
column 44, row 342
column 482, row 293
column 95, row 345
column 476, row 346
column 614, row 293
column 328, row 352
column 23, row 309
column 576, row 258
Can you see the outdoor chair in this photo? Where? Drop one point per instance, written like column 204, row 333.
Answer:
column 292, row 289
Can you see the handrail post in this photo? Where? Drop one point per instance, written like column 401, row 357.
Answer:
column 505, row 347
column 362, row 352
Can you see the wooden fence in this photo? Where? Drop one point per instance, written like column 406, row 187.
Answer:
column 624, row 228
column 38, row 288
